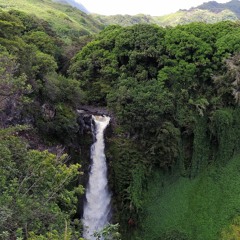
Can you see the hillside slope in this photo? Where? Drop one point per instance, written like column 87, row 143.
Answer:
column 67, row 21
column 200, row 208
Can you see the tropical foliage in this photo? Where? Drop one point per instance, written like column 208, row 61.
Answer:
column 172, row 91
column 39, row 190
column 35, row 191
column 173, row 94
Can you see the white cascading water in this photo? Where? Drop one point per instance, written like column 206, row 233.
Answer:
column 97, row 208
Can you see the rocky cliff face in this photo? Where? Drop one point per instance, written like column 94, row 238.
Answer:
column 85, row 117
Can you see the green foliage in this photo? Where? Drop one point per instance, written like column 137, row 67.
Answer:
column 38, row 193
column 14, row 88
column 229, row 43
column 30, row 22
column 223, row 121
column 68, row 234
column 69, row 23
column 110, row 232
column 9, row 25
column 43, row 64
column 139, row 106
column 136, row 186
column 231, row 231
column 174, row 235
column 59, row 89
column 159, row 83
column 172, row 95
column 228, row 83
column 29, row 63
column 42, row 40
column 197, row 209
column 96, row 66
column 60, row 124
column 127, row 174
column 201, row 147
column 35, row 191
column 187, row 47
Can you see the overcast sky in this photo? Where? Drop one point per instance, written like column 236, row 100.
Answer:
column 151, row 7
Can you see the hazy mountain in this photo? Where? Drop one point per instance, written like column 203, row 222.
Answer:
column 215, row 7
column 73, row 4
column 124, row 20
column 209, row 12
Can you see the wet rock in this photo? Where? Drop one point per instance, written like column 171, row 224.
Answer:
column 48, row 111
column 85, row 116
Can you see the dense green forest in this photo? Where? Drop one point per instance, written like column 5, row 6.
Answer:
column 39, row 190
column 173, row 147
column 174, row 93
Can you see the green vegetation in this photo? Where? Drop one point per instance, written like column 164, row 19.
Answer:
column 175, row 135
column 36, row 197
column 68, row 22
column 201, row 208
column 109, row 232
column 172, row 91
column 39, row 190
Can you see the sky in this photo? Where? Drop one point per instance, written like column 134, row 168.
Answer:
column 132, row 7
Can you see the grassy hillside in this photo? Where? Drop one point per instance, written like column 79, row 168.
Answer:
column 197, row 209
column 68, row 22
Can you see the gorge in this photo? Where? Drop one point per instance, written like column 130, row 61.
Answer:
column 172, row 145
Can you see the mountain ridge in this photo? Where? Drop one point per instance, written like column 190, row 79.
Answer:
column 215, row 7
column 208, row 12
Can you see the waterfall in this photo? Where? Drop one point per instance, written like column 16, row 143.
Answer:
column 96, row 212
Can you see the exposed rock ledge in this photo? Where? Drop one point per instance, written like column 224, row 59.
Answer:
column 85, row 116
column 92, row 110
